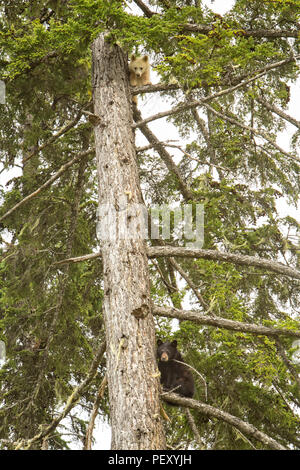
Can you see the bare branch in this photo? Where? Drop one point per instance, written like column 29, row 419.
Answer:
column 189, row 281
column 194, row 158
column 194, row 428
column 153, row 88
column 145, row 9
column 150, row 146
column 78, row 259
column 214, row 255
column 221, row 415
column 218, row 322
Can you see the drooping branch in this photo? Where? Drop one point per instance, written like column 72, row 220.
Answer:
column 278, row 111
column 30, row 66
column 214, row 255
column 48, row 183
column 212, row 412
column 218, row 322
column 71, row 402
column 289, row 365
column 56, row 136
column 63, row 281
column 235, row 122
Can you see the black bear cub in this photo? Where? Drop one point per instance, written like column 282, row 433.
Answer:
column 172, row 374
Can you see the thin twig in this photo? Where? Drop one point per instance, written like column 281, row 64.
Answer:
column 197, row 372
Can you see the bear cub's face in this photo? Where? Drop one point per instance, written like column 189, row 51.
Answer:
column 139, row 65
column 166, row 351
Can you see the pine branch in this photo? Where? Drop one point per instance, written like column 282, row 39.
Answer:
column 53, row 138
column 48, row 183
column 63, row 280
column 289, row 365
column 252, row 130
column 200, row 319
column 214, row 255
column 212, row 412
column 255, row 33
column 239, row 83
column 278, row 111
column 71, row 402
column 207, row 29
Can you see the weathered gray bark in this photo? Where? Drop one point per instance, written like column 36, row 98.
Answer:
column 133, row 381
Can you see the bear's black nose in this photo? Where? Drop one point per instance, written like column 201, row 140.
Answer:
column 164, row 357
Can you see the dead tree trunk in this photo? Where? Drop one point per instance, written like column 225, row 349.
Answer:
column 130, row 337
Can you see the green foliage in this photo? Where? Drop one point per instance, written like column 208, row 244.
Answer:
column 51, row 314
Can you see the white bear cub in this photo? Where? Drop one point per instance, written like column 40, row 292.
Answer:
column 139, row 69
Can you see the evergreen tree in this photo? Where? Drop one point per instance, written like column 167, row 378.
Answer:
column 226, row 85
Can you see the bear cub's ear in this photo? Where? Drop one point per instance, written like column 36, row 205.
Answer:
column 145, row 58
column 132, row 57
column 159, row 342
column 174, row 343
